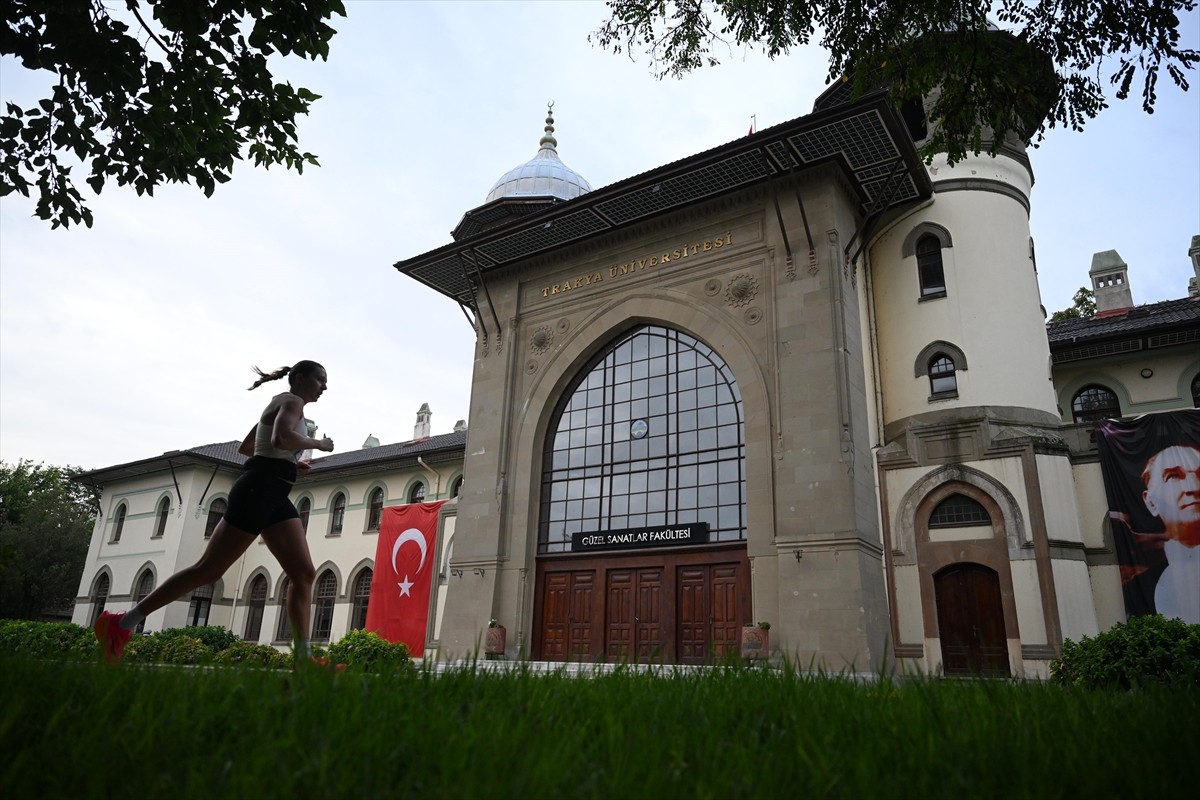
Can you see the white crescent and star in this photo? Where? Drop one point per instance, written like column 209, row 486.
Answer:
column 410, row 535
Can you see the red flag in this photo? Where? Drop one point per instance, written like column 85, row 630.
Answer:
column 404, row 568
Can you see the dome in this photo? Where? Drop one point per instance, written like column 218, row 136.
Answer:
column 544, row 175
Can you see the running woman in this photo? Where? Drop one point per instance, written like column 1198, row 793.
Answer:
column 258, row 504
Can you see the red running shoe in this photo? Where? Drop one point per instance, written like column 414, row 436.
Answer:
column 324, row 663
column 112, row 636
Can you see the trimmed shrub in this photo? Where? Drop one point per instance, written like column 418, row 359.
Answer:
column 173, row 646
column 251, row 654
column 1146, row 650
column 366, row 651
column 47, row 639
column 214, row 637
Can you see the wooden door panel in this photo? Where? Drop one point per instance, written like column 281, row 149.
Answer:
column 726, row 616
column 971, row 620
column 619, row 615
column 650, row 637
column 581, row 623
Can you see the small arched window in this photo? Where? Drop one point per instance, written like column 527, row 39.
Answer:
column 929, row 266
column 1095, row 403
column 958, row 510
column 304, row 509
column 160, row 522
column 456, row 487
column 375, row 516
column 255, row 608
column 417, row 493
column 324, row 597
column 118, row 523
column 942, row 379
column 362, row 596
column 338, row 518
column 216, row 512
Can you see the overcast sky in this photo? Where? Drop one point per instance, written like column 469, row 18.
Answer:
column 136, row 337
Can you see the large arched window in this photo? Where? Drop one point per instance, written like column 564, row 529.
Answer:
column 119, row 523
column 254, row 609
column 338, row 518
column 99, row 598
column 417, row 493
column 216, row 512
column 323, row 598
column 958, row 510
column 200, row 606
column 650, row 433
column 145, row 586
column 304, row 509
column 1094, row 403
column 375, row 514
column 362, row 596
column 929, row 266
column 160, row 521
column 283, row 631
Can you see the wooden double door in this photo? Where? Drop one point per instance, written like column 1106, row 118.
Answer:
column 971, row 621
column 683, row 607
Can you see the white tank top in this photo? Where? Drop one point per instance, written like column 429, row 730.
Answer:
column 263, row 446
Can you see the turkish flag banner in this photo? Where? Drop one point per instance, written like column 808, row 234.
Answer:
column 404, row 568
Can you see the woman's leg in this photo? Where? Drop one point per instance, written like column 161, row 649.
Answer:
column 287, row 542
column 225, row 546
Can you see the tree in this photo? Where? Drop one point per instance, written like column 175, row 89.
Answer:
column 1047, row 73
column 1084, row 305
column 175, row 98
column 46, row 522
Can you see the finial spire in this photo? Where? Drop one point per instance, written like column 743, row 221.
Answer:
column 548, row 141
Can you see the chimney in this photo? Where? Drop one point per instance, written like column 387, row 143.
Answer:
column 372, row 441
column 1110, row 282
column 460, row 426
column 421, row 429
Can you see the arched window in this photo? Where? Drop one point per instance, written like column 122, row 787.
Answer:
column 118, row 523
column 942, row 379
column 417, row 493
column 160, row 522
column 1095, row 403
column 216, row 512
column 99, row 598
column 929, row 266
column 255, row 608
column 324, row 597
column 456, row 487
column 145, row 586
column 338, row 518
column 200, row 606
column 1196, row 391
column 304, row 509
column 957, row 511
column 283, row 631
column 650, row 433
column 362, row 596
column 375, row 515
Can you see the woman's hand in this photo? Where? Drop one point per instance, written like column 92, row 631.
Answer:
column 325, row 444
column 303, row 466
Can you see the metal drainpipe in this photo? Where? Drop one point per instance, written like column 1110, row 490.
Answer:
column 436, row 474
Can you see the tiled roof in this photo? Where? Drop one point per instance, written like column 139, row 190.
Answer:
column 391, row 452
column 1150, row 318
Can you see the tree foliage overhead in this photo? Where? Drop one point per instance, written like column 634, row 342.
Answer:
column 46, row 521
column 911, row 48
column 1083, row 305
column 161, row 91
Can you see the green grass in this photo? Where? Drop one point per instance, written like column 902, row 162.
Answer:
column 80, row 730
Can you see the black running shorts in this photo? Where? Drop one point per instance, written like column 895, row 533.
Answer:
column 259, row 498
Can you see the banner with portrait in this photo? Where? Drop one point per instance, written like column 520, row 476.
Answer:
column 1151, row 469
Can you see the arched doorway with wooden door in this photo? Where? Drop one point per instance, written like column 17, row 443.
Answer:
column 642, row 518
column 970, row 619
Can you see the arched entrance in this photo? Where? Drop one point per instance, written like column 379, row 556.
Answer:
column 642, row 523
column 971, row 621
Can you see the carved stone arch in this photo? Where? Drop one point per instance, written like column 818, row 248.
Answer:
column 137, row 577
column 921, row 365
column 306, row 494
column 411, row 484
column 257, row 571
column 104, row 572
column 333, row 493
column 363, row 563
column 909, row 246
column 339, row 583
column 918, row 503
column 377, row 483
